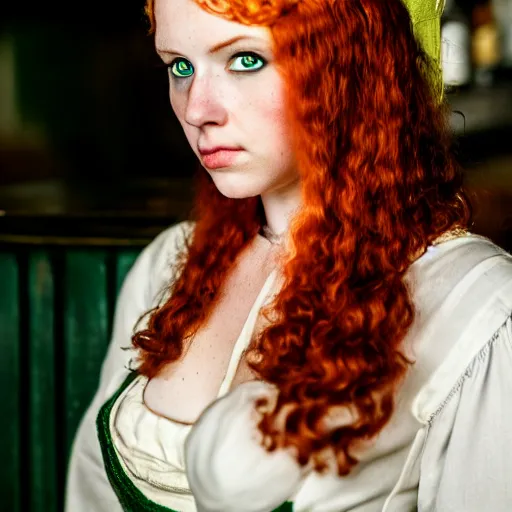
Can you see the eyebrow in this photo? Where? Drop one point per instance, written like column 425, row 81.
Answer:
column 214, row 49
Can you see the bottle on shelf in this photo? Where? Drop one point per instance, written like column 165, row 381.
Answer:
column 502, row 11
column 485, row 43
column 456, row 45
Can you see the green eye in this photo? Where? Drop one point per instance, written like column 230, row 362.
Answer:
column 247, row 62
column 181, row 68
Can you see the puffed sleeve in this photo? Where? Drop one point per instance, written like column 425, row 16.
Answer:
column 227, row 468
column 467, row 464
column 87, row 487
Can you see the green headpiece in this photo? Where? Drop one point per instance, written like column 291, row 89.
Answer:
column 426, row 21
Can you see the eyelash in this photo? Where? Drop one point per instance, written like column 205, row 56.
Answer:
column 233, row 57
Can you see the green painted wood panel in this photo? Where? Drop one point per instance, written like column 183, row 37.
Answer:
column 10, row 491
column 42, row 395
column 54, row 328
column 125, row 261
column 86, row 320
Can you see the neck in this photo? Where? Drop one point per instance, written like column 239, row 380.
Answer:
column 272, row 237
column 280, row 206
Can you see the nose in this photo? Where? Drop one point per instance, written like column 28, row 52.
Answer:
column 205, row 104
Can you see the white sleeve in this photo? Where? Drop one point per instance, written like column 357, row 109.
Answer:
column 466, row 463
column 87, row 486
column 227, row 468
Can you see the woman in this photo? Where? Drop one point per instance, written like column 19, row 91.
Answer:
column 326, row 335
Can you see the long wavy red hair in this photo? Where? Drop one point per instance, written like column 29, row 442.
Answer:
column 379, row 184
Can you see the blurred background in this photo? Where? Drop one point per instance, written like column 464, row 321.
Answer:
column 85, row 123
column 86, row 128
column 93, row 165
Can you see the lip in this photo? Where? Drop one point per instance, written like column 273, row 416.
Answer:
column 220, row 158
column 209, row 151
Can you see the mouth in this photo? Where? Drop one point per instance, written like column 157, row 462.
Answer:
column 215, row 149
column 220, row 156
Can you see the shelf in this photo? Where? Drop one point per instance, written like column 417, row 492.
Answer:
column 484, row 109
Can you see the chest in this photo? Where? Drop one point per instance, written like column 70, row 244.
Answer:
column 213, row 360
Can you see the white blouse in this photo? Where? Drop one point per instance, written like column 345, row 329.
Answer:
column 445, row 448
column 150, row 447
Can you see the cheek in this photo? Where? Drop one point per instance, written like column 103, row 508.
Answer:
column 178, row 107
column 261, row 102
column 277, row 125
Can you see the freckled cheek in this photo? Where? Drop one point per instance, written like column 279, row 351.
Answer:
column 274, row 116
column 179, row 107
column 263, row 106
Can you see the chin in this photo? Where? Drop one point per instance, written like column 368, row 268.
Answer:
column 236, row 189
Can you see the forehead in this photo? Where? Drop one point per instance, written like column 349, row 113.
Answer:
column 182, row 23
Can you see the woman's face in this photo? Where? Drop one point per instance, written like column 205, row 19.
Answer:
column 227, row 93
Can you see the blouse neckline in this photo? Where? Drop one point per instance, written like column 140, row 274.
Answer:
column 239, row 347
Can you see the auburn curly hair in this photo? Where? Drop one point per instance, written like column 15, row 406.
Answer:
column 379, row 184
